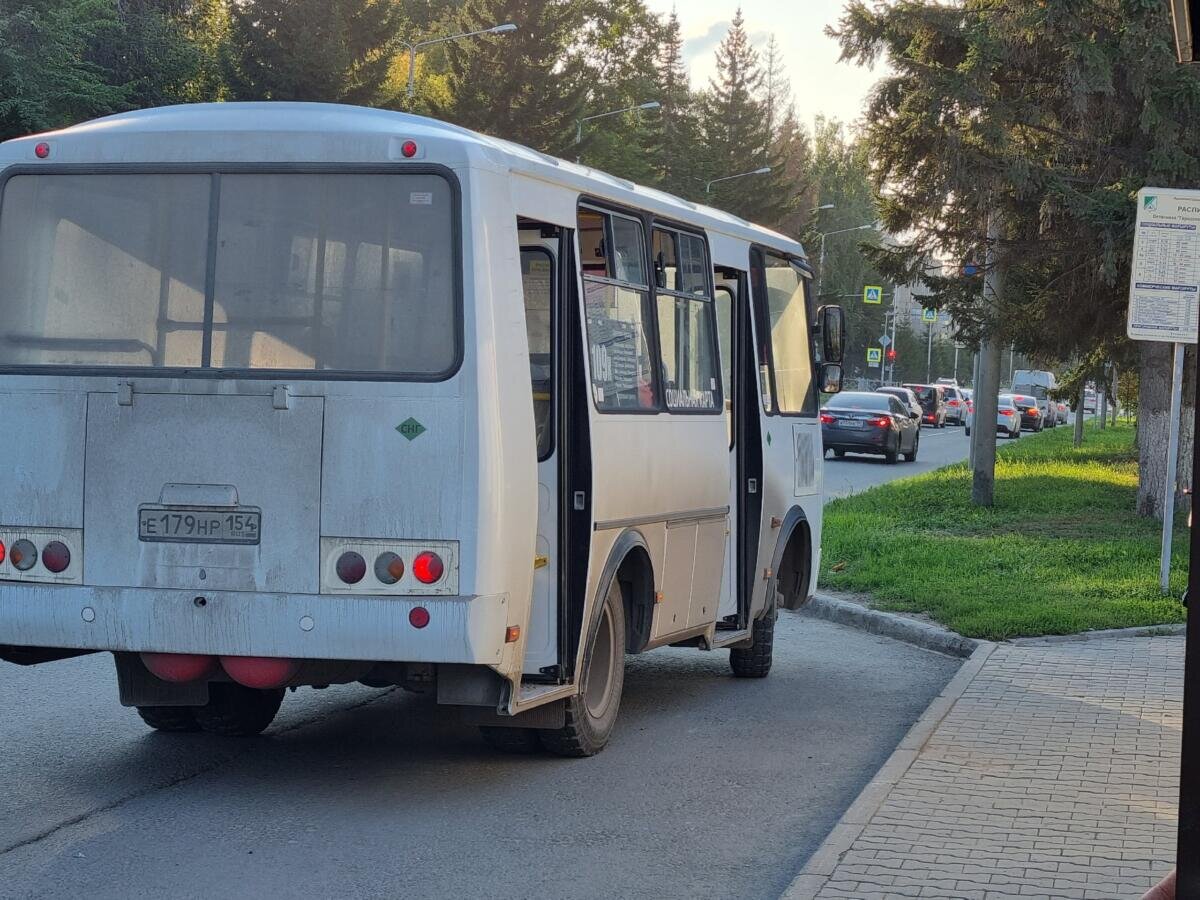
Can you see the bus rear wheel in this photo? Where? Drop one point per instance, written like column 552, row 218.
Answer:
column 592, row 713
column 238, row 711
column 171, row 719
column 755, row 661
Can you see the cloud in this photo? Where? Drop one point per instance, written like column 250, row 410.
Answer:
column 705, row 44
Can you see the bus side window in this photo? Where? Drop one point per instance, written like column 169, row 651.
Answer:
column 616, row 308
column 537, row 279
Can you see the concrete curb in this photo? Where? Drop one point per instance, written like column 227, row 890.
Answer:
column 1139, row 631
column 821, row 864
column 911, row 631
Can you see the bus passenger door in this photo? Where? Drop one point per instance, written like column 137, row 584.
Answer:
column 538, row 276
column 739, row 378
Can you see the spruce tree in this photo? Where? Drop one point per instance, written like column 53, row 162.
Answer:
column 735, row 130
column 526, row 86
column 46, row 80
column 1047, row 117
column 672, row 143
column 328, row 50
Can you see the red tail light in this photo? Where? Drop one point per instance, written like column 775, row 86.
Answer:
column 3, row 551
column 351, row 567
column 827, row 419
column 880, row 422
column 56, row 557
column 428, row 567
column 952, row 403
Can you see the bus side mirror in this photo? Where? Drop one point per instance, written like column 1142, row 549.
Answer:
column 831, row 378
column 832, row 322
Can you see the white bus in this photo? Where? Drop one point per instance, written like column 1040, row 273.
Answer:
column 301, row 394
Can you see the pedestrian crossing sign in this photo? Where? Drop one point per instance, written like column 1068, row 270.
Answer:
column 873, row 293
column 874, row 356
column 928, row 315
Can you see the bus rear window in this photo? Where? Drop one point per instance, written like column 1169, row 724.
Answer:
column 307, row 272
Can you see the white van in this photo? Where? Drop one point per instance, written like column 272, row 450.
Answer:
column 300, row 394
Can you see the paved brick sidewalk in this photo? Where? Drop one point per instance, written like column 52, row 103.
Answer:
column 1055, row 774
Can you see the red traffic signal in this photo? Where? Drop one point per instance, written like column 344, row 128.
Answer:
column 891, row 355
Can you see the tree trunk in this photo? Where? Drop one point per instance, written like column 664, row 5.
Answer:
column 1154, row 404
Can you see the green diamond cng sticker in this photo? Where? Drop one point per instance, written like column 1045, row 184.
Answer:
column 411, row 428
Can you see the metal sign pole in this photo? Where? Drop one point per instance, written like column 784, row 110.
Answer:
column 1187, row 857
column 1172, row 480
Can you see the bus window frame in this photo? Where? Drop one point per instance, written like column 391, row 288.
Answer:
column 215, row 171
column 667, row 225
column 764, row 345
column 551, row 424
column 604, row 208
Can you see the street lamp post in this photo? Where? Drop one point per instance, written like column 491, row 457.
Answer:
column 413, row 47
column 826, row 234
column 761, row 171
column 650, row 104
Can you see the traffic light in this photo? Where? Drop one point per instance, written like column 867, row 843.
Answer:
column 891, row 354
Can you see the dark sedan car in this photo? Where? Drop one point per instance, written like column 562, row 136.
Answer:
column 858, row 422
column 1032, row 418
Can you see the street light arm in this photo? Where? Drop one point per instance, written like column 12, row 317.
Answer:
column 495, row 29
column 759, row 171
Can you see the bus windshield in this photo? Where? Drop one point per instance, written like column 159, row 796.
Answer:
column 297, row 272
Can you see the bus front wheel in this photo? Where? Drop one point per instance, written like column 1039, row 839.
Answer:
column 755, row 661
column 592, row 713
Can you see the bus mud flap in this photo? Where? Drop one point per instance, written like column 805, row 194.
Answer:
column 549, row 715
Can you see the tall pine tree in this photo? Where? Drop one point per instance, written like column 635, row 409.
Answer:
column 328, row 50
column 736, row 132
column 673, row 140
column 527, row 86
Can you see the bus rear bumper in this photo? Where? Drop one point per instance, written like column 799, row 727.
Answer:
column 464, row 629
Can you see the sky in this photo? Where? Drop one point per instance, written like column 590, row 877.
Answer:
column 820, row 84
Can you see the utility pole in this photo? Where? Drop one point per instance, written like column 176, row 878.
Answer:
column 929, row 357
column 987, row 382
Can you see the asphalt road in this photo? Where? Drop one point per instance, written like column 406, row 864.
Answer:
column 853, row 473
column 712, row 786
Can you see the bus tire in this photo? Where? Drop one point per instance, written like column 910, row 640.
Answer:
column 755, row 661
column 237, row 711
column 591, row 714
column 170, row 719
column 511, row 740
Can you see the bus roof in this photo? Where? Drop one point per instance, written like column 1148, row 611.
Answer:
column 294, row 133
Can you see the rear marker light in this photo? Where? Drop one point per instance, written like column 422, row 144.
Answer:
column 418, row 617
column 409, row 149
column 23, row 555
column 56, row 557
column 428, row 567
column 3, row 551
column 512, row 634
column 42, row 150
column 351, row 567
column 389, row 568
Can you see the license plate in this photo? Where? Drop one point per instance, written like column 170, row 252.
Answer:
column 850, row 423
column 199, row 525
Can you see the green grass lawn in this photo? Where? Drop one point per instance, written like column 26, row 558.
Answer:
column 1061, row 552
